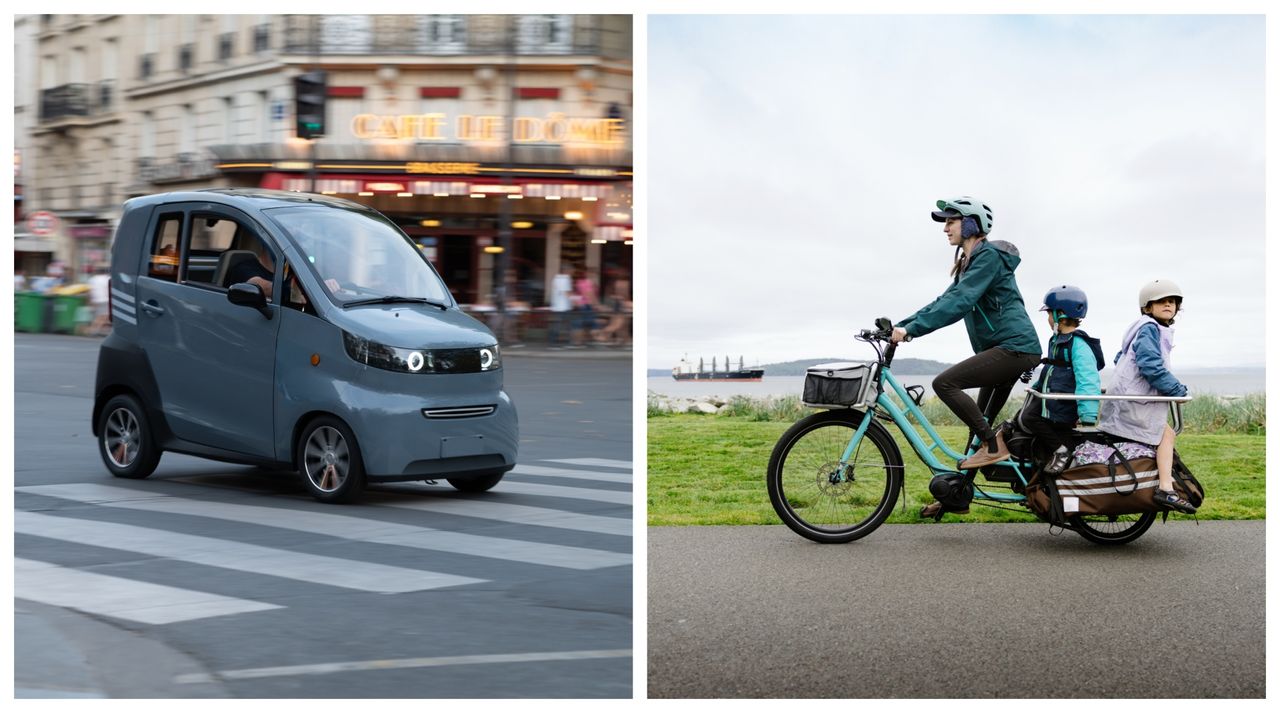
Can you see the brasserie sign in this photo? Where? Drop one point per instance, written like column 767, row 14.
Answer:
column 555, row 128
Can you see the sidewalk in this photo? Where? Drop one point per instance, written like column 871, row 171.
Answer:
column 61, row 653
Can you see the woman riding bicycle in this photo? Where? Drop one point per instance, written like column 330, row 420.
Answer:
column 984, row 293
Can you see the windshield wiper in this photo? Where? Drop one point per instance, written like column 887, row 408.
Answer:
column 389, row 299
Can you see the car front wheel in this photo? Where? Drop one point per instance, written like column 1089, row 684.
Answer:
column 329, row 461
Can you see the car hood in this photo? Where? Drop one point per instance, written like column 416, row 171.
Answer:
column 414, row 326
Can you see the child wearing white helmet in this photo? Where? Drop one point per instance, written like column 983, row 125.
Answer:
column 1142, row 368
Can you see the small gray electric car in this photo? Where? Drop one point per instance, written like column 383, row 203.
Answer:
column 293, row 331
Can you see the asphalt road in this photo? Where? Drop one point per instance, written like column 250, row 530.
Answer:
column 212, row 580
column 957, row 611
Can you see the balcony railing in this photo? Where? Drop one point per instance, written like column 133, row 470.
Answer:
column 74, row 100
column 64, row 101
column 439, row 35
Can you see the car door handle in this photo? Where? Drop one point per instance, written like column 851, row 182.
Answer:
column 152, row 308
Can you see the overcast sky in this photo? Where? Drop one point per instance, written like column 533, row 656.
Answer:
column 794, row 161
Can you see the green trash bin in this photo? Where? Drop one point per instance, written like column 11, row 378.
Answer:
column 29, row 308
column 65, row 310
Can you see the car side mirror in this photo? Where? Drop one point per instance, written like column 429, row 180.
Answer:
column 245, row 294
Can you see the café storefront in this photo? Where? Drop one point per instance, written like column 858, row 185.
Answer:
column 548, row 200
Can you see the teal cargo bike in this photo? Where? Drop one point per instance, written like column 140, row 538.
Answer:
column 836, row 475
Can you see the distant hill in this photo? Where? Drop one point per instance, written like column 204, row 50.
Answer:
column 915, row 367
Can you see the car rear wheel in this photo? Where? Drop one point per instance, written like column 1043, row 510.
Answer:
column 124, row 439
column 329, row 461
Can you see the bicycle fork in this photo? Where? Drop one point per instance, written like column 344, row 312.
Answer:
column 844, row 472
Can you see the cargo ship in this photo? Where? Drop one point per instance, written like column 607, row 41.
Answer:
column 685, row 371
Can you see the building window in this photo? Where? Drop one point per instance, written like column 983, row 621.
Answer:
column 109, row 52
column 226, row 44
column 444, row 33
column 147, row 66
column 229, row 112
column 105, row 88
column 264, row 116
column 262, row 37
column 544, row 34
column 147, row 136
column 186, row 57
column 186, row 131
column 347, row 33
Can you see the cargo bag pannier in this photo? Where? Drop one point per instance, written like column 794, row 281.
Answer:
column 1120, row 486
column 840, row 385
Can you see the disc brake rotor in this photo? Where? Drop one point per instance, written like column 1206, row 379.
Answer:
column 835, row 479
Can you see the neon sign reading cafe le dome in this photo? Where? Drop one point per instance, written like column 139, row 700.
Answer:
column 555, row 128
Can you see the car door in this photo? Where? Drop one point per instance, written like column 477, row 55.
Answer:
column 214, row 362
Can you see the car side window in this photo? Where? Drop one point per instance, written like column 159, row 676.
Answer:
column 211, row 237
column 295, row 297
column 163, row 263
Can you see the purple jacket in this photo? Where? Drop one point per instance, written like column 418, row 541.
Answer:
column 1142, row 368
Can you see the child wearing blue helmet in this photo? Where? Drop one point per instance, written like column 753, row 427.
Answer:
column 1072, row 366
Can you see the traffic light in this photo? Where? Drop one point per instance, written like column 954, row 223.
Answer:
column 309, row 94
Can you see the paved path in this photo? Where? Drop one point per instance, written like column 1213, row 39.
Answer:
column 957, row 610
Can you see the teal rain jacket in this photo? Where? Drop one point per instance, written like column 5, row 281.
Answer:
column 986, row 296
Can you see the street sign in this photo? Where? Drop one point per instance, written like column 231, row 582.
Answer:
column 42, row 223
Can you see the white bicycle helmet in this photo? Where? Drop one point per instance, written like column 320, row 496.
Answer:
column 1158, row 290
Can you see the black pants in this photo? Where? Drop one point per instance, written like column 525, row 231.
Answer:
column 1050, row 435
column 993, row 372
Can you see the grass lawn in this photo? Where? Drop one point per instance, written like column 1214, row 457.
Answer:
column 706, row 470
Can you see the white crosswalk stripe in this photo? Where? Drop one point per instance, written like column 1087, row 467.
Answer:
column 340, row 526
column 149, row 602
column 542, row 470
column 121, row 598
column 618, row 497
column 317, row 569
column 594, row 462
column 520, row 514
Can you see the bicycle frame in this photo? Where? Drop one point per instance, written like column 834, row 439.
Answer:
column 927, row 452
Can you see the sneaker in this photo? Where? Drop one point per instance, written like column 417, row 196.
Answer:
column 1173, row 501
column 985, row 456
column 934, row 511
column 1057, row 464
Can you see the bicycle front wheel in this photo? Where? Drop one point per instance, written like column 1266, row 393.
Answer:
column 823, row 500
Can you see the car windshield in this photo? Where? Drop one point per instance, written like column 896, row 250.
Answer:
column 361, row 257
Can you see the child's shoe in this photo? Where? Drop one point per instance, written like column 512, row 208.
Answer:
column 1173, row 501
column 1058, row 463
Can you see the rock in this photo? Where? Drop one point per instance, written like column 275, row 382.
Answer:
column 704, row 407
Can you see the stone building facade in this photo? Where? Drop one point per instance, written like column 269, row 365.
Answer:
column 488, row 138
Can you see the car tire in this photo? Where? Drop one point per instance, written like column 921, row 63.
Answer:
column 477, row 484
column 329, row 461
column 124, row 439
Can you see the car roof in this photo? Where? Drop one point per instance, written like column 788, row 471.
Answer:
column 257, row 198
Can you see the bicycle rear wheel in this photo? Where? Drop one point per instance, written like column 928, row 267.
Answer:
column 1112, row 529
column 817, row 497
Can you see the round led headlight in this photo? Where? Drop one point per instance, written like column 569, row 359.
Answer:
column 490, row 358
column 415, row 361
